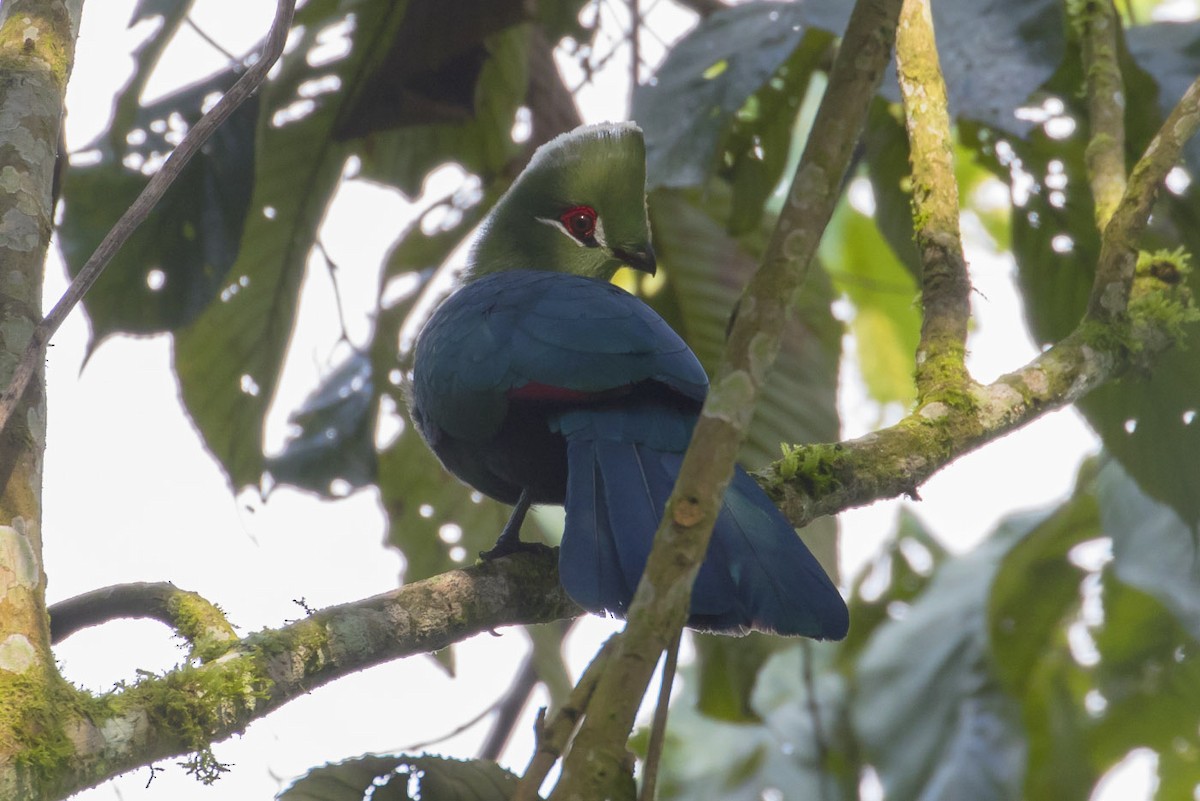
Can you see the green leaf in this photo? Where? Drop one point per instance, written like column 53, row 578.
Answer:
column 887, row 157
column 713, row 760
column 887, row 320
column 1037, row 590
column 176, row 262
column 228, row 360
column 994, row 53
column 482, row 144
column 334, row 434
column 687, row 108
column 728, row 672
column 929, row 711
column 897, row 575
column 1149, row 680
column 707, row 270
column 1153, row 550
column 397, row 778
column 1169, row 53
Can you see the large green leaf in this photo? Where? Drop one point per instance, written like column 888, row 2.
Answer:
column 397, row 778
column 707, row 271
column 887, row 320
column 1034, row 598
column 782, row 757
column 314, row 116
column 928, row 708
column 481, row 144
column 706, row 78
column 727, row 672
column 1153, row 549
column 176, row 262
column 228, row 360
column 897, row 575
column 334, row 434
column 1037, row 590
column 1148, row 681
column 993, row 53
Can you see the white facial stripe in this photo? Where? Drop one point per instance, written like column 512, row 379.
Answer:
column 598, row 234
column 558, row 225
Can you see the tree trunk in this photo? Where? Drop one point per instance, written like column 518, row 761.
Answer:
column 37, row 45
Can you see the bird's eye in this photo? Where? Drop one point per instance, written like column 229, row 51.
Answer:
column 580, row 222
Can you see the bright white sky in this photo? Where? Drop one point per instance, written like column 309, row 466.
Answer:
column 132, row 496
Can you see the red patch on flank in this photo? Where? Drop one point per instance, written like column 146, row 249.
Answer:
column 545, row 392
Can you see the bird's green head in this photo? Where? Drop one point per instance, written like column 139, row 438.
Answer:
column 579, row 207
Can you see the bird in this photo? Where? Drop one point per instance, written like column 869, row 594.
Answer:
column 538, row 381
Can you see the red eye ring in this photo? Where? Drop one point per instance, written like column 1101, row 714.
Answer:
column 580, row 222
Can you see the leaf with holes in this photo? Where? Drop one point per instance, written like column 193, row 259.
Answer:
column 228, row 360
column 1148, row 682
column 706, row 78
column 435, row 520
column 177, row 261
column 399, row 777
column 333, row 436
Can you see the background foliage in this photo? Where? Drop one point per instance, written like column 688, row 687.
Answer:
column 1023, row 669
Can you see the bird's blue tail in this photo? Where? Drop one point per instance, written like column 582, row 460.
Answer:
column 622, row 465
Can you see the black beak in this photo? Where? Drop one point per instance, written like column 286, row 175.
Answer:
column 642, row 259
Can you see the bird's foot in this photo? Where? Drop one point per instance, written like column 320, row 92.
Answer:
column 509, row 547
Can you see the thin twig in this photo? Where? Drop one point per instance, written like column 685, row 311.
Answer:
column 1098, row 26
column 332, row 267
column 137, row 213
column 211, row 42
column 658, row 729
column 945, row 287
column 457, row 730
column 508, row 708
column 814, row 711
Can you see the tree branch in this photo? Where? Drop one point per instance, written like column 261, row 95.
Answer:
column 1098, row 24
column 1118, row 246
column 945, row 287
column 193, row 705
column 137, row 213
column 193, row 618
column 660, row 603
column 815, row 480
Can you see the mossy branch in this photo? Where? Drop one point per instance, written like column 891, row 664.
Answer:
column 1117, row 263
column 596, row 763
column 1098, row 26
column 83, row 739
column 815, row 480
column 945, row 287
column 198, row 621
